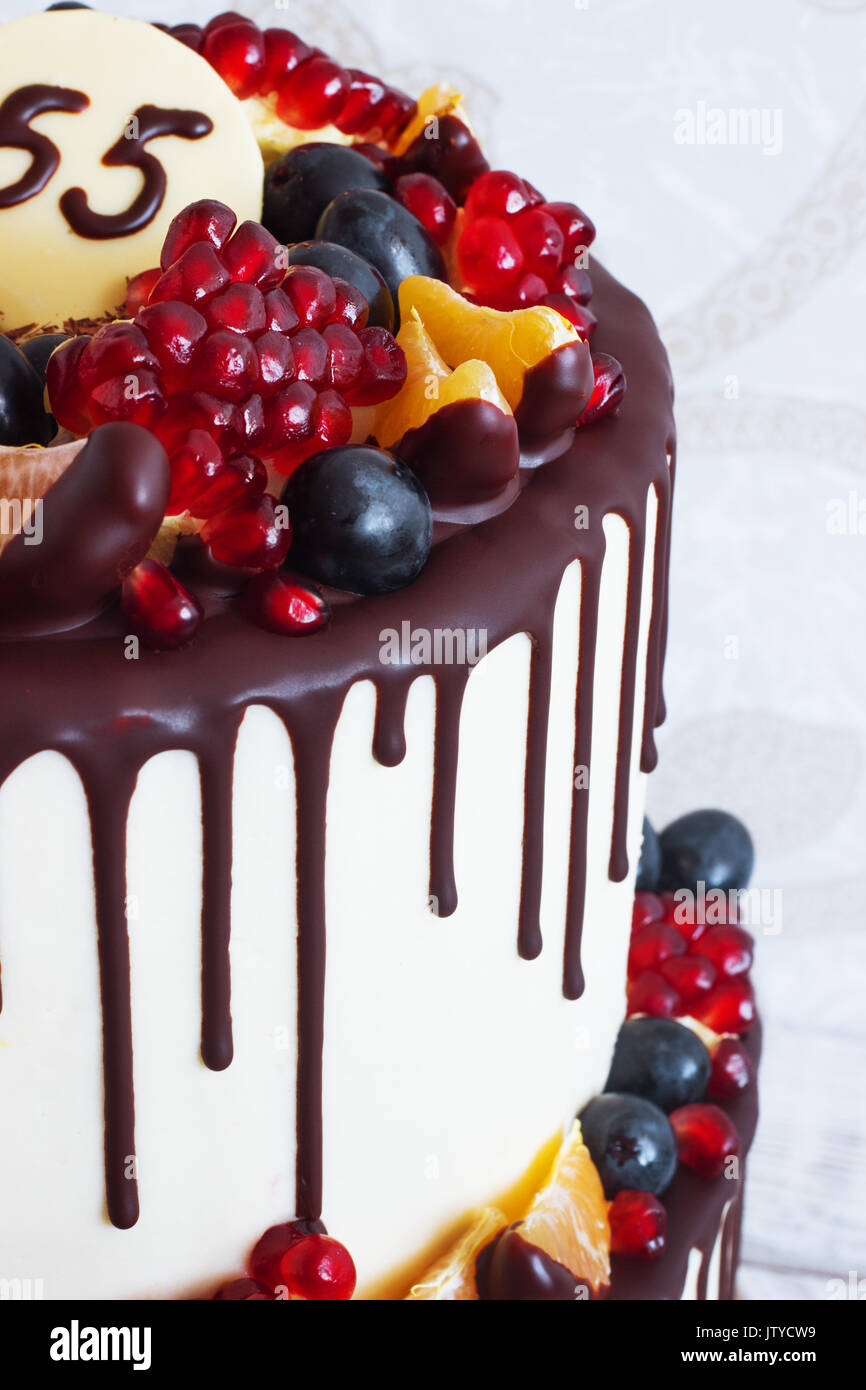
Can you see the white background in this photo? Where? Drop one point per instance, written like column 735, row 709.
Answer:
column 754, row 265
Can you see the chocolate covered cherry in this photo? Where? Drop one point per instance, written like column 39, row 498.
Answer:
column 361, row 520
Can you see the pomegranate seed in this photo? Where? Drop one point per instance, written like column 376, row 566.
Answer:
column 691, row 976
column 526, row 292
column 290, row 418
column 650, row 945
column 647, row 908
column 311, row 356
column 190, row 34
column 728, row 1008
column 573, row 281
column 237, row 51
column 206, row 220
column 162, row 612
column 319, row 1268
column 732, row 1069
column 173, row 331
column 364, row 101
column 313, row 95
column 651, row 994
column 250, row 535
column 264, row 1262
column 345, row 355
column 137, row 397
column 638, row 1224
column 281, row 315
column 276, row 362
column 577, row 230
column 256, row 257
column 193, row 467
column 692, row 929
column 197, row 275
column 730, row 949
column 283, row 603
column 220, row 418
column 583, row 318
column 69, row 401
column 253, row 422
column 490, row 255
column 706, row 1138
column 227, row 365
column 332, row 420
column 426, row 199
column 138, row 290
column 312, row 294
column 541, row 240
column 284, row 52
column 116, row 350
column 225, row 17
column 608, row 390
column 381, row 158
column 351, row 307
column 245, row 1291
column 384, row 370
column 498, row 193
column 394, row 113
column 240, row 309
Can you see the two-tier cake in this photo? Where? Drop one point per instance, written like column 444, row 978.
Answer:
column 333, row 604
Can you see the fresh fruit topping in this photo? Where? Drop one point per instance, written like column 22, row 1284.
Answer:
column 159, row 609
column 266, row 373
column 498, row 193
column 300, row 184
column 38, row 350
column 23, row 419
column 652, row 944
column 511, row 343
column 447, row 149
column 577, row 230
column 638, row 1224
column 692, row 976
column 684, row 917
column 706, row 1138
column 139, row 290
column 732, row 1069
column 452, row 1278
column 728, row 1008
column 580, row 315
column 631, row 1143
column 513, row 1270
column 647, row 908
column 314, row 94
column 244, row 1291
column 344, row 267
column 430, row 386
column 318, row 1268
column 237, row 51
column 710, row 847
column 426, row 199
column 490, row 256
column 730, row 949
column 541, row 240
column 661, row 1060
column 267, row 1253
column 25, row 477
column 568, row 1217
column 281, row 602
column 608, row 389
column 573, row 282
column 381, row 231
column 651, row 994
column 362, row 521
column 284, row 52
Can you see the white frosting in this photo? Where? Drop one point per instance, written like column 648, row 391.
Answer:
column 448, row 1060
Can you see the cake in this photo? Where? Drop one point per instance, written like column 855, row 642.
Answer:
column 333, row 607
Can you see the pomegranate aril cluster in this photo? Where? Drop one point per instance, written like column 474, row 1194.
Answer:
column 296, row 1260
column 235, row 361
column 310, row 89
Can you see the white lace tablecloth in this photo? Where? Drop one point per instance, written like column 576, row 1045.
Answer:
column 721, row 151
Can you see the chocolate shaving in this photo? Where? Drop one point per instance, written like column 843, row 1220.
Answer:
column 73, row 328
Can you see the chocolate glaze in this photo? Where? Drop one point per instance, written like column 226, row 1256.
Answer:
column 699, row 1211
column 467, row 455
column 109, row 715
column 511, row 1269
column 16, row 112
column 98, row 520
column 153, row 122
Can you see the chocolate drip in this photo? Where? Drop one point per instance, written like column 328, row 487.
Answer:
column 654, row 709
column 151, row 122
column 501, row 576
column 618, row 866
column 16, row 113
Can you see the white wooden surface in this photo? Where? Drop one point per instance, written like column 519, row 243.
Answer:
column 755, row 267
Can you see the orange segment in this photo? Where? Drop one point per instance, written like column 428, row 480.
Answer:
column 430, row 385
column 453, row 1278
column 568, row 1218
column 26, row 474
column 511, row 342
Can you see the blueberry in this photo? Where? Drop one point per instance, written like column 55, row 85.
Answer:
column 300, row 185
column 38, row 350
column 650, row 864
column 712, row 847
column 384, row 233
column 342, row 263
column 631, row 1143
column 23, row 418
column 661, row 1060
column 360, row 518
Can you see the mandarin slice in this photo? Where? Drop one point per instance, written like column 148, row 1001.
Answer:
column 453, row 1277
column 26, row 474
column 568, row 1218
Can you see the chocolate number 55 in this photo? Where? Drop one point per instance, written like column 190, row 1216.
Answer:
column 147, row 123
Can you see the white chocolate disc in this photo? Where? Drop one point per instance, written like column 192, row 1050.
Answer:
column 48, row 272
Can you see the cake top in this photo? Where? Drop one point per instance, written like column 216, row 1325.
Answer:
column 266, row 312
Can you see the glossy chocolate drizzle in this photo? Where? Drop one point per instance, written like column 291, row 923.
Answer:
column 109, row 716
column 148, row 123
column 16, row 113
